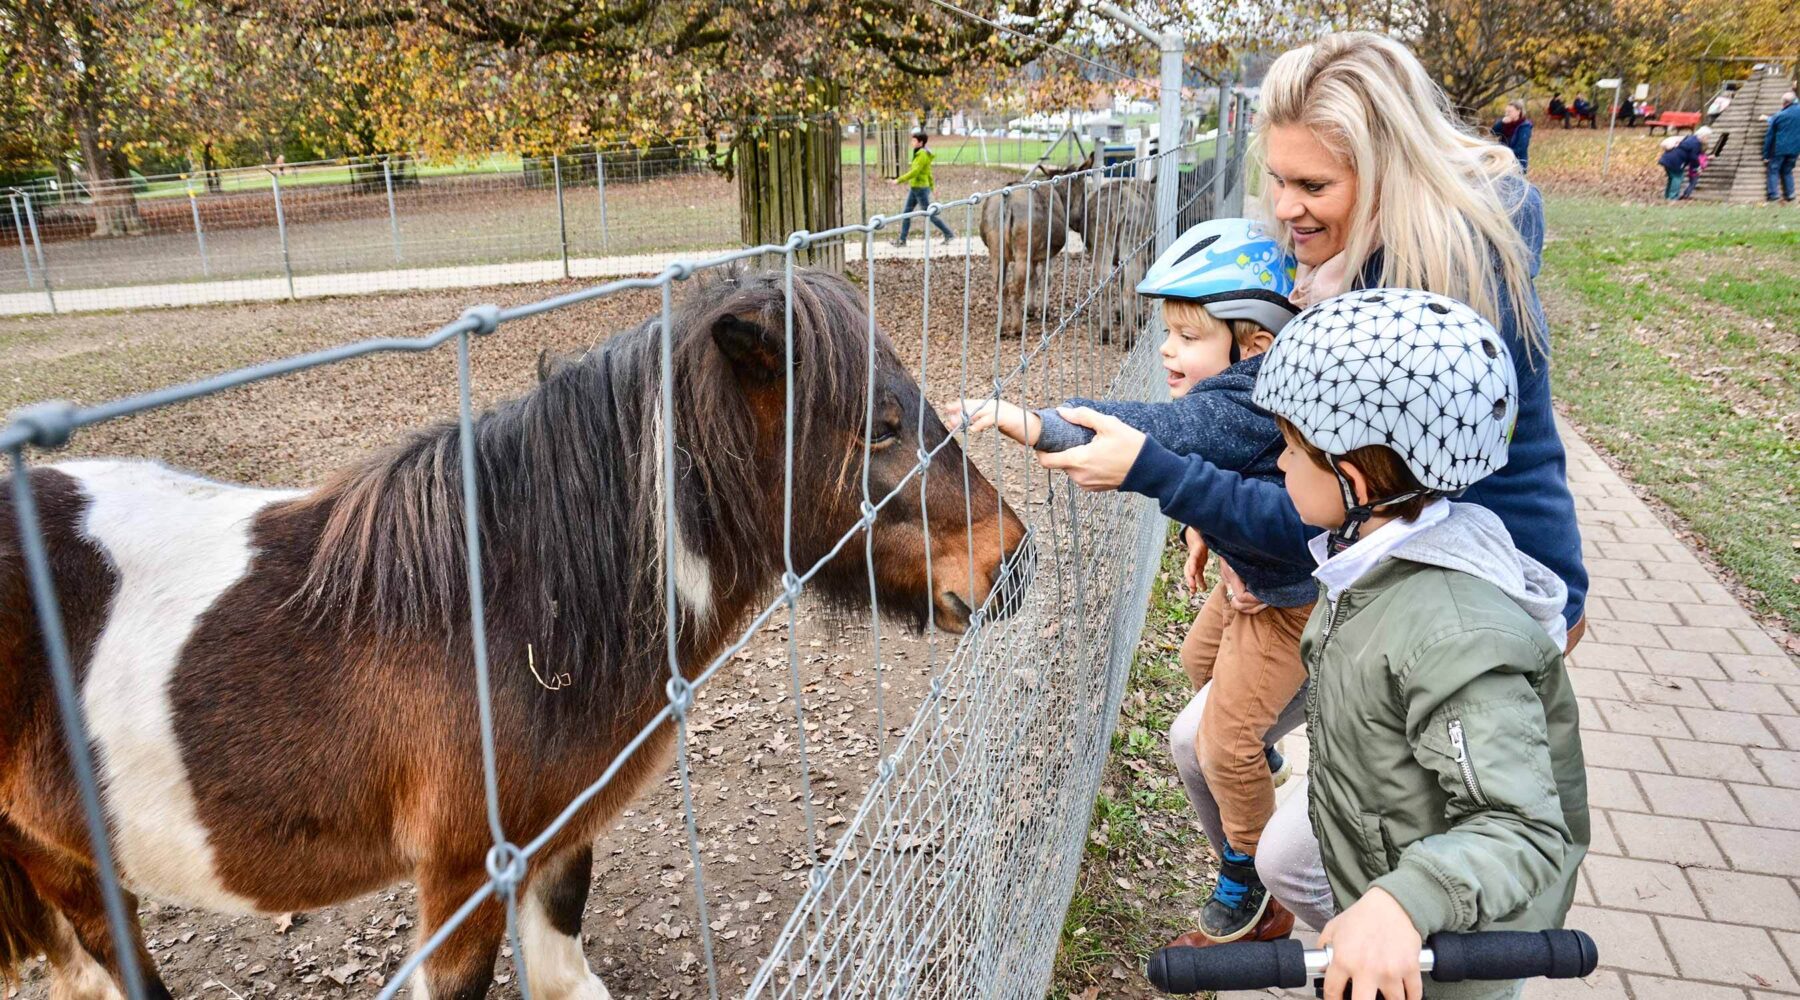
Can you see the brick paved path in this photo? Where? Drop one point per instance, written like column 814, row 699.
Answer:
column 1691, row 723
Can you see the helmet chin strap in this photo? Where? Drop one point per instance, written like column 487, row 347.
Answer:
column 1357, row 514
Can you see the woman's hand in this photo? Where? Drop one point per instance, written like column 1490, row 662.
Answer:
column 1196, row 559
column 976, row 415
column 1236, row 594
column 1375, row 948
column 1102, row 463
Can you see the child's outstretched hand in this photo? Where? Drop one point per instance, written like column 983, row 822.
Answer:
column 1010, row 419
column 1374, row 948
column 1196, row 559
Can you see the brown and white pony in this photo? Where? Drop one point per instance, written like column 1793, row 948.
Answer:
column 279, row 684
column 1022, row 232
column 1116, row 219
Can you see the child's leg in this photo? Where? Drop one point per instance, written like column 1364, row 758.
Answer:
column 1259, row 671
column 1201, row 647
column 1290, row 865
column 1182, row 736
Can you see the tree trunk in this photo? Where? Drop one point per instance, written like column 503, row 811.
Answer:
column 789, row 179
column 115, row 207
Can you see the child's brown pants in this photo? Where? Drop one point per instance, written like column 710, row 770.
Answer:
column 1253, row 663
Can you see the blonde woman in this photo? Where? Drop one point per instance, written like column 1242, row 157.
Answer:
column 1373, row 182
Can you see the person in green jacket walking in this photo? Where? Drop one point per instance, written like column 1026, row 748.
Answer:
column 918, row 194
column 1446, row 788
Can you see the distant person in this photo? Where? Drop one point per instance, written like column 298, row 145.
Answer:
column 1718, row 106
column 1583, row 111
column 1781, row 147
column 918, row 194
column 1558, row 110
column 1628, row 112
column 1681, row 159
column 1514, row 132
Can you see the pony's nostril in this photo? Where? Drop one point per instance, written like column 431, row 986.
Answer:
column 960, row 606
column 1015, row 579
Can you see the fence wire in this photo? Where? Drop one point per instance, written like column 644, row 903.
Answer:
column 952, row 875
column 406, row 221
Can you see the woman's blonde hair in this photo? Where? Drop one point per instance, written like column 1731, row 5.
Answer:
column 1436, row 198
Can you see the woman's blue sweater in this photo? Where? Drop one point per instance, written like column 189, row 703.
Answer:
column 1530, row 493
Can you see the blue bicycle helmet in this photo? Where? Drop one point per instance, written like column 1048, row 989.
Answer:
column 1229, row 267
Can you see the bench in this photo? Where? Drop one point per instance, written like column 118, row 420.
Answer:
column 1674, row 121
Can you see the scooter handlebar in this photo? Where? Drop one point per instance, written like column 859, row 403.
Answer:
column 1448, row 958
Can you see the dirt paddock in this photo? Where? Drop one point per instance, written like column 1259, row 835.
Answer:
column 640, row 925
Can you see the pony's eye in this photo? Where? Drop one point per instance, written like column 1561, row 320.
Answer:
column 884, row 435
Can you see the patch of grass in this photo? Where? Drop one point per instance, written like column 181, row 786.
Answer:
column 1677, row 347
column 1147, row 869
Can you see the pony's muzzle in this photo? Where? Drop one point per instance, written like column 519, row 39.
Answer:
column 1016, row 573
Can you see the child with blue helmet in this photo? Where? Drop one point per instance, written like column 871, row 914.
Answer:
column 1224, row 289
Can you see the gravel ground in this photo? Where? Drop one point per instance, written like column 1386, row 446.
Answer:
column 640, row 925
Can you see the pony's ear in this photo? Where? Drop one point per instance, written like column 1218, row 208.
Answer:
column 750, row 347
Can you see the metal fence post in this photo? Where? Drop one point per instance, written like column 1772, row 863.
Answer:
column 287, row 263
column 1218, row 185
column 600, row 184
column 562, row 219
column 24, row 252
column 862, row 167
column 38, row 244
column 199, row 233
column 387, row 178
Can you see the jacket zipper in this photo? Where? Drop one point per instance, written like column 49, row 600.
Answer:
column 1313, row 746
column 1464, row 763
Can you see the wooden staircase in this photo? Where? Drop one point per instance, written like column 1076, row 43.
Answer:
column 1737, row 173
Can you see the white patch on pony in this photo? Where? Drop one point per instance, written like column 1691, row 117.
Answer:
column 693, row 574
column 555, row 965
column 177, row 542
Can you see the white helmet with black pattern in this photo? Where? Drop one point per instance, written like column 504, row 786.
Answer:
column 1423, row 374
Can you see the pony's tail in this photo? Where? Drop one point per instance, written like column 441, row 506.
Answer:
column 27, row 923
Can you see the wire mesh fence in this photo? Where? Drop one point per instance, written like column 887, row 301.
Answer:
column 406, row 221
column 951, row 875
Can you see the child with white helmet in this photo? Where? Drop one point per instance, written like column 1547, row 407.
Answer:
column 1224, row 289
column 1447, row 790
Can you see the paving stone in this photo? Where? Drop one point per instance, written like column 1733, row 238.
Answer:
column 1666, row 838
column 1631, row 634
column 1601, row 839
column 1596, row 655
column 1631, row 884
column 1598, row 607
column 1632, row 610
column 1787, row 727
column 1754, row 849
column 1740, row 728
column 1615, row 569
column 1637, row 753
column 1781, row 767
column 1625, row 940
column 1657, row 988
column 1706, row 760
column 1723, row 616
column 1706, row 587
column 1682, row 663
column 1700, row 638
column 1758, row 669
column 1646, row 720
column 1604, row 984
column 1606, row 586
column 1648, row 536
column 1771, row 807
column 1663, row 689
column 1727, row 953
column 1755, row 640
column 1789, row 943
column 1695, row 798
column 1598, row 684
column 1650, row 556
column 1610, row 789
column 1738, row 896
column 1741, row 696
column 1667, row 591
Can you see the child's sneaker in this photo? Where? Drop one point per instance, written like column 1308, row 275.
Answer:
column 1237, row 901
column 1277, row 923
column 1279, row 768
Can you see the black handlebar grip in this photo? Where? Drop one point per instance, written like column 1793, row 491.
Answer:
column 1246, row 965
column 1561, row 954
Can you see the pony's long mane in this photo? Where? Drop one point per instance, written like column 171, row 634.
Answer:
column 571, row 522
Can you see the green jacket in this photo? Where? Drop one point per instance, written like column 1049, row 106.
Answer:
column 919, row 173
column 1446, row 761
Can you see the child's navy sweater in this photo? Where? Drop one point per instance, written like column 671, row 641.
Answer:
column 1530, row 492
column 1215, row 420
